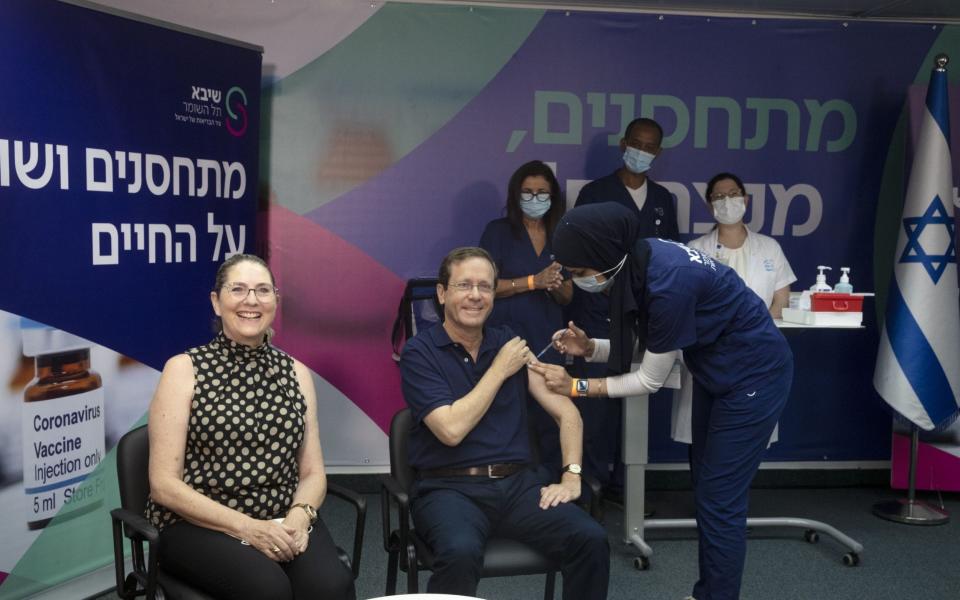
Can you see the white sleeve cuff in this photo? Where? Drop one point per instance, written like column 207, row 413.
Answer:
column 653, row 372
column 601, row 351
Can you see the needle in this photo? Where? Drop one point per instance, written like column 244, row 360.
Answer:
column 548, row 346
column 542, row 352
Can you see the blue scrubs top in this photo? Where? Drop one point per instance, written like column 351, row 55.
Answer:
column 728, row 338
column 534, row 316
column 435, row 371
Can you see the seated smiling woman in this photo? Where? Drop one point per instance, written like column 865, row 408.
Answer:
column 236, row 470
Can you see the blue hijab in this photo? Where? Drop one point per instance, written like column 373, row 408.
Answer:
column 597, row 236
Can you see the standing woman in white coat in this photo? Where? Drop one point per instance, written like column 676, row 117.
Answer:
column 757, row 259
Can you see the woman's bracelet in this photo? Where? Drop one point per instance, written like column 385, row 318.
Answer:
column 530, row 283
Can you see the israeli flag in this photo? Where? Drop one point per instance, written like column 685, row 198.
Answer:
column 918, row 365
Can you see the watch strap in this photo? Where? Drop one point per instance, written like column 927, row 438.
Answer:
column 311, row 511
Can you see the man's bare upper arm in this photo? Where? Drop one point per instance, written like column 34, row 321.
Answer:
column 555, row 404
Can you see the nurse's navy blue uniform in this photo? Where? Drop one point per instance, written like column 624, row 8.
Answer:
column 742, row 369
column 535, row 316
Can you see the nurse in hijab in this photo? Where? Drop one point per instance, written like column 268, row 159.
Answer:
column 666, row 297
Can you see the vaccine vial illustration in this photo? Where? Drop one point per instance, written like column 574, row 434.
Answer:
column 62, row 426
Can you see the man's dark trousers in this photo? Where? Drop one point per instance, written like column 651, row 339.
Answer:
column 456, row 515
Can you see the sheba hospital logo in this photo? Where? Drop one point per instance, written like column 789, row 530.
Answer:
column 236, row 102
column 206, row 106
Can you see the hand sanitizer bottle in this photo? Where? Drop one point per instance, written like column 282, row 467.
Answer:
column 821, row 284
column 844, row 287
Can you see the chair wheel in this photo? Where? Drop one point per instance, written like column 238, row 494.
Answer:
column 641, row 563
column 811, row 536
column 851, row 559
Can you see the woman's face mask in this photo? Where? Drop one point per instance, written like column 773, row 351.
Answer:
column 729, row 210
column 591, row 283
column 534, row 205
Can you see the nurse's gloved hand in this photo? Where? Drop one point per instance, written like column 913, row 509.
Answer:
column 572, row 341
column 556, row 377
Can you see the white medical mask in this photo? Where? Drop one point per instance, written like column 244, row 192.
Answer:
column 534, row 205
column 590, row 283
column 637, row 161
column 729, row 210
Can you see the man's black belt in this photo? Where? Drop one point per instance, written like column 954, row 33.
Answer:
column 498, row 471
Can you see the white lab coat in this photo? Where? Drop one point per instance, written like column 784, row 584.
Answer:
column 767, row 272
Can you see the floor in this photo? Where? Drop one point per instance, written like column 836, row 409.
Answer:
column 899, row 562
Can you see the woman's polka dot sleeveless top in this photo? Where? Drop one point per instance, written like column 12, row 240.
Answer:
column 246, row 425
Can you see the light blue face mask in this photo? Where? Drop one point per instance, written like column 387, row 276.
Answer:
column 590, row 283
column 637, row 161
column 534, row 205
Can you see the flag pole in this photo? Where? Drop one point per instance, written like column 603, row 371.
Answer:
column 910, row 510
column 920, row 389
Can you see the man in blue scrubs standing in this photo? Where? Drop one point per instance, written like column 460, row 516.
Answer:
column 467, row 385
column 630, row 187
column 666, row 297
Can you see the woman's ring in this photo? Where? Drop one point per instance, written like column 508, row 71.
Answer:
column 275, row 549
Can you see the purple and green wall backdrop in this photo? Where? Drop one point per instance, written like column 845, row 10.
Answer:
column 396, row 145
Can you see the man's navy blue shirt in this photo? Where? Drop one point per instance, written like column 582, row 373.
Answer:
column 436, row 371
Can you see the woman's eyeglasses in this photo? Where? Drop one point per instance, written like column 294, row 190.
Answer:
column 240, row 291
column 723, row 196
column 538, row 196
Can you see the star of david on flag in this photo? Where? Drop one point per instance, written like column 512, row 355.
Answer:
column 936, row 215
column 918, row 363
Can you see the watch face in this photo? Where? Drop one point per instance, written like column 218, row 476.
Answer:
column 583, row 386
column 574, row 468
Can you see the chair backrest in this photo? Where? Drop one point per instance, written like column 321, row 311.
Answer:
column 133, row 458
column 419, row 309
column 400, row 467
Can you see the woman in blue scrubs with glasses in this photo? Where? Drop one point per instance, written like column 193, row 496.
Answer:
column 530, row 291
column 666, row 297
column 530, row 288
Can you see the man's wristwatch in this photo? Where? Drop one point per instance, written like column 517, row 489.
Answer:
column 311, row 511
column 572, row 468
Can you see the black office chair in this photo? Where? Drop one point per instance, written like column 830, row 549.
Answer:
column 147, row 577
column 407, row 551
